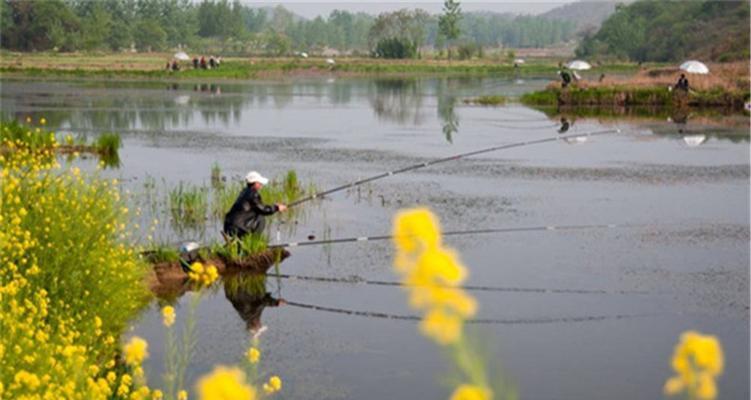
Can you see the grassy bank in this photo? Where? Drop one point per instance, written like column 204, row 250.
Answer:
column 726, row 86
column 620, row 96
column 152, row 66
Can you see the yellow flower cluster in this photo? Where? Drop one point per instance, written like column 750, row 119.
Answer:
column 253, row 355
column 273, row 385
column 432, row 274
column 68, row 286
column 168, row 316
column 135, row 351
column 471, row 392
column 203, row 275
column 225, row 383
column 697, row 361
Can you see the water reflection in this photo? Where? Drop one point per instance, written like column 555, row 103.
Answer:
column 398, row 100
column 248, row 295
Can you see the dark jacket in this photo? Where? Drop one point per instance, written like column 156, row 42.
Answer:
column 247, row 208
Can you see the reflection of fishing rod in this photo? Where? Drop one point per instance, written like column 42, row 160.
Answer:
column 355, row 280
column 510, row 321
column 446, row 159
column 453, row 233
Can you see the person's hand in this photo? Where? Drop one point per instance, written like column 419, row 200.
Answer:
column 281, row 207
column 282, row 302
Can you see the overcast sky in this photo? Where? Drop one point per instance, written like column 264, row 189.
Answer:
column 312, row 8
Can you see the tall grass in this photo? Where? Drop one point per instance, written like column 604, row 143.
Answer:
column 107, row 146
column 188, row 205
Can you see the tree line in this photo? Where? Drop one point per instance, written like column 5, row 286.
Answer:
column 652, row 30
column 235, row 28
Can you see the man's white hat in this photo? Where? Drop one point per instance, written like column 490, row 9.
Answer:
column 254, row 176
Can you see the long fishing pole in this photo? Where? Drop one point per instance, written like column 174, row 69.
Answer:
column 446, row 159
column 510, row 321
column 471, row 288
column 453, row 233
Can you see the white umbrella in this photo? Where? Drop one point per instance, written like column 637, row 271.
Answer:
column 304, row 55
column 579, row 65
column 519, row 61
column 694, row 140
column 330, row 61
column 180, row 55
column 694, row 67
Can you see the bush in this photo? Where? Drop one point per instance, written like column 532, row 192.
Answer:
column 396, row 48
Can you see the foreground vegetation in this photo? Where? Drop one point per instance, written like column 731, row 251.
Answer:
column 69, row 284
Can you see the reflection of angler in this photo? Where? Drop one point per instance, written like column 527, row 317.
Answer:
column 250, row 304
column 565, row 124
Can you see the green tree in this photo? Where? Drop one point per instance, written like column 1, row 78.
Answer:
column 448, row 23
column 149, row 36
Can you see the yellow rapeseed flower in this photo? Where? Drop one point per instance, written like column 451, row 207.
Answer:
column 168, row 316
column 697, row 361
column 203, row 275
column 471, row 392
column 182, row 395
column 253, row 355
column 225, row 384
column 276, row 383
column 135, row 351
column 442, row 327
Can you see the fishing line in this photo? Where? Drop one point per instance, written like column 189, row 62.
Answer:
column 446, row 159
column 510, row 321
column 455, row 233
column 479, row 288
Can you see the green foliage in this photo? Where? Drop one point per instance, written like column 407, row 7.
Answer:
column 107, row 146
column 188, row 204
column 650, row 30
column 395, row 48
column 239, row 249
column 448, row 23
column 402, row 32
column 488, row 100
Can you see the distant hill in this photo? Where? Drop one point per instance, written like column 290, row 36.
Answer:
column 651, row 30
column 586, row 15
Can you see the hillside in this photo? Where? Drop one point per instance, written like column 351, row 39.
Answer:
column 585, row 15
column 650, row 30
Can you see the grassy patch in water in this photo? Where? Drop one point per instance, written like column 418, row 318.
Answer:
column 487, row 100
column 188, row 204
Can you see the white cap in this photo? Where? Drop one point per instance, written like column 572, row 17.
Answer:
column 254, row 176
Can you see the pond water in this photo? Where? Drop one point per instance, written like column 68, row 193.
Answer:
column 682, row 264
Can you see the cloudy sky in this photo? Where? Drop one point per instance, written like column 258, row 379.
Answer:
column 312, row 8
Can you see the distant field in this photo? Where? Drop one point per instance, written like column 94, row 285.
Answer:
column 152, row 65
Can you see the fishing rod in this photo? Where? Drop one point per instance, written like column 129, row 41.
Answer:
column 446, row 159
column 471, row 288
column 453, row 233
column 510, row 321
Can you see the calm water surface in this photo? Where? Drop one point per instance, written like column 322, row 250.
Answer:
column 684, row 265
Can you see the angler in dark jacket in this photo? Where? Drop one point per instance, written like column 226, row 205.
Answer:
column 247, row 214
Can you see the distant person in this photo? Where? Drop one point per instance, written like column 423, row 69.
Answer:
column 602, row 78
column 175, row 65
column 682, row 83
column 195, row 62
column 247, row 213
column 203, row 63
column 565, row 77
column 212, row 62
column 565, row 125
column 169, row 66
